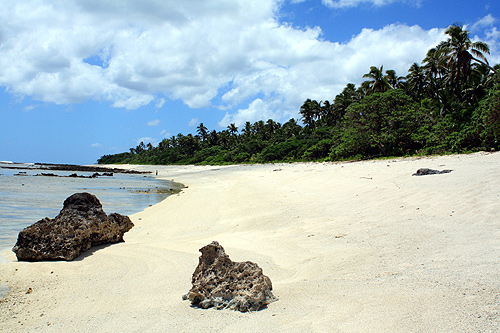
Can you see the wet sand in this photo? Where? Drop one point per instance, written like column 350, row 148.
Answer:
column 349, row 247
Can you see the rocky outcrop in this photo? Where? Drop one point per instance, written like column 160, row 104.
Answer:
column 425, row 171
column 221, row 283
column 81, row 224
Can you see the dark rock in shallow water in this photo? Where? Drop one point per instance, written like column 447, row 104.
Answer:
column 81, row 224
column 224, row 284
column 425, row 171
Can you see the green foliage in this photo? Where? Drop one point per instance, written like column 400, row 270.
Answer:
column 449, row 103
column 115, row 159
column 487, row 117
column 380, row 125
column 283, row 151
column 320, row 150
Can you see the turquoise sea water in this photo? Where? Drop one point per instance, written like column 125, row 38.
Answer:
column 26, row 198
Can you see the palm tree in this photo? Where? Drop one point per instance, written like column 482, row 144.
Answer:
column 213, row 138
column 173, row 141
column 348, row 96
column 416, row 81
column 392, row 79
column 247, row 130
column 290, row 129
column 480, row 81
column 436, row 75
column 326, row 115
column 164, row 144
column 460, row 51
column 232, row 129
column 224, row 139
column 434, row 63
column 258, row 128
column 310, row 111
column 202, row 131
column 378, row 82
column 269, row 128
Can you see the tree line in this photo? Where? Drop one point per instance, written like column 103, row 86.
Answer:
column 449, row 103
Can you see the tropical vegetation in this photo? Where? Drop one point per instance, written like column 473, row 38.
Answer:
column 449, row 103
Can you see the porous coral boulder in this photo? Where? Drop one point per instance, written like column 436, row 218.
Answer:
column 224, row 284
column 426, row 171
column 81, row 224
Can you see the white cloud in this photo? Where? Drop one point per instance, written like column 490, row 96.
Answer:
column 193, row 122
column 160, row 102
column 28, row 108
column 491, row 33
column 355, row 3
column 484, row 22
column 233, row 53
column 328, row 68
column 155, row 122
column 96, row 145
column 257, row 110
column 146, row 140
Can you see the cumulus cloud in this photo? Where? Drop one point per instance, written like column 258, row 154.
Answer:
column 231, row 54
column 146, row 140
column 329, row 67
column 160, row 102
column 482, row 23
column 193, row 122
column 155, row 122
column 28, row 108
column 257, row 110
column 486, row 25
column 355, row 3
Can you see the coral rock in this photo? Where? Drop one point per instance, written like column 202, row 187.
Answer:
column 425, row 172
column 224, row 284
column 81, row 224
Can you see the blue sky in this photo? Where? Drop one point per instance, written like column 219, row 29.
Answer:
column 84, row 78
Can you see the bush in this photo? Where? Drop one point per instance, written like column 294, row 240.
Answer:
column 379, row 125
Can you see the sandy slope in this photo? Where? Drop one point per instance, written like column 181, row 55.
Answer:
column 350, row 247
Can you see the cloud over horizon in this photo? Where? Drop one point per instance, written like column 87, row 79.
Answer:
column 230, row 54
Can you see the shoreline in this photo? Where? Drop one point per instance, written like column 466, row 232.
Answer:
column 29, row 198
column 68, row 167
column 348, row 246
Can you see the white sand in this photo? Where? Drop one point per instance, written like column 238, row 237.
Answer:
column 349, row 247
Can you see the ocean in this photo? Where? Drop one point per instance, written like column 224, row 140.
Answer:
column 26, row 198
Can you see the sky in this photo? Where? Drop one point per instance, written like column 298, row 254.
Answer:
column 80, row 79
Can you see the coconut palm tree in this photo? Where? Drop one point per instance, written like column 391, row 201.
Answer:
column 232, row 129
column 416, row 82
column 434, row 63
column 258, row 128
column 270, row 127
column 247, row 130
column 436, row 75
column 310, row 111
column 460, row 52
column 202, row 131
column 326, row 116
column 377, row 82
column 348, row 96
column 213, row 138
column 392, row 79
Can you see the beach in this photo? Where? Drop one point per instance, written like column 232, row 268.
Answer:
column 349, row 247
